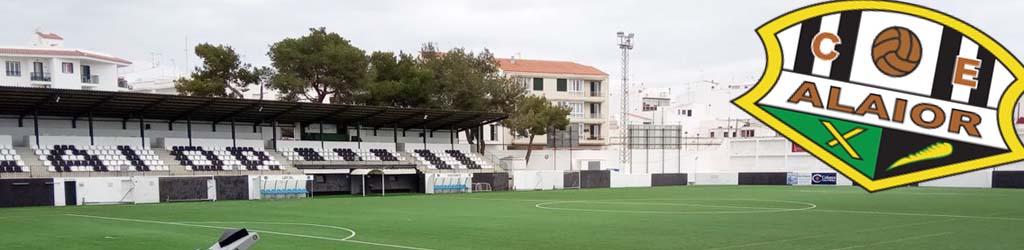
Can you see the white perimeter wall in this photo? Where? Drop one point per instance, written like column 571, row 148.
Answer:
column 630, row 180
column 109, row 190
column 537, row 180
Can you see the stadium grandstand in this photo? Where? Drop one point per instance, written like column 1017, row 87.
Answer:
column 73, row 147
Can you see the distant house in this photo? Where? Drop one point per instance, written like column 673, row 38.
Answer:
column 46, row 64
column 580, row 87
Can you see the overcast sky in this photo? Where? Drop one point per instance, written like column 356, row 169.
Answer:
column 677, row 41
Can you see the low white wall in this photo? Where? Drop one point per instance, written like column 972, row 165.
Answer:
column 977, row 179
column 437, row 147
column 147, row 189
column 538, row 180
column 291, row 145
column 85, row 141
column 98, row 190
column 630, row 180
column 717, row 179
column 167, row 143
column 5, row 140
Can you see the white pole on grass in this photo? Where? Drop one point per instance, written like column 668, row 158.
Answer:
column 383, row 190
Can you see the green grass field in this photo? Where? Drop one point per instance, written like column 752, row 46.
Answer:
column 703, row 217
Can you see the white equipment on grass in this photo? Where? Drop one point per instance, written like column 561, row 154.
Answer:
column 235, row 239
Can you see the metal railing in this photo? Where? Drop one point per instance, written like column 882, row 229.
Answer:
column 595, row 94
column 94, row 79
column 13, row 73
column 40, row 76
column 594, row 116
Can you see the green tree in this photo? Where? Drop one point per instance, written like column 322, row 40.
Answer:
column 534, row 116
column 464, row 80
column 318, row 67
column 222, row 74
column 396, row 81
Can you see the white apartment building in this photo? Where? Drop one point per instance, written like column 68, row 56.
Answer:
column 46, row 64
column 703, row 109
column 580, row 87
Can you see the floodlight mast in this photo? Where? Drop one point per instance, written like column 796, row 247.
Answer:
column 625, row 44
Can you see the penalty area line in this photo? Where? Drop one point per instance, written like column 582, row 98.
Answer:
column 896, row 240
column 259, row 231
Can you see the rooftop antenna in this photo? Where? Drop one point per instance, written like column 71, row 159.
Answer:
column 625, row 45
column 187, row 70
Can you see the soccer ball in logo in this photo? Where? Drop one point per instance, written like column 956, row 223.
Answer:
column 896, row 51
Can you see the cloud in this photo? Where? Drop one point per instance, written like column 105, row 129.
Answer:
column 677, row 41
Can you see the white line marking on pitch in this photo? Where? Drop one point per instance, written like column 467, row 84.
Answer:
column 544, row 205
column 896, row 240
column 807, row 210
column 260, row 231
column 352, row 233
column 874, row 229
column 916, row 214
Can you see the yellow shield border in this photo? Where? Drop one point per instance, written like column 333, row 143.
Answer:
column 773, row 68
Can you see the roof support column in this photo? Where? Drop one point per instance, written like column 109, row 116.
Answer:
column 321, row 136
column 188, row 128
column 395, row 134
column 142, row 132
column 451, row 135
column 92, row 136
column 234, row 142
column 273, row 126
column 35, row 125
column 359, row 136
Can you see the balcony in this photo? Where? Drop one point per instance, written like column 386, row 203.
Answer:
column 595, row 94
column 93, row 79
column 122, row 83
column 40, row 76
column 594, row 116
column 593, row 138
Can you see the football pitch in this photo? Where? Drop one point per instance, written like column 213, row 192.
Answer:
column 695, row 217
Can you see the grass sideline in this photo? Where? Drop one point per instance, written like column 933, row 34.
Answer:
column 699, row 217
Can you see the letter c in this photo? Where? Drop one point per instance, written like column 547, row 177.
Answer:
column 816, row 46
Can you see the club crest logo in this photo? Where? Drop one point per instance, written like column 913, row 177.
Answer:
column 888, row 93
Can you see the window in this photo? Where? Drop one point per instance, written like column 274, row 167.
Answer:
column 13, row 68
column 562, row 85
column 67, row 68
column 576, row 86
column 538, row 84
column 575, row 108
column 712, row 134
column 523, row 81
column 494, row 132
column 595, row 88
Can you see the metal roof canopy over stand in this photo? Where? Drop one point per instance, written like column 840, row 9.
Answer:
column 22, row 102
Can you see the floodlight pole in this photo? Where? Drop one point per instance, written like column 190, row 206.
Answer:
column 625, row 45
